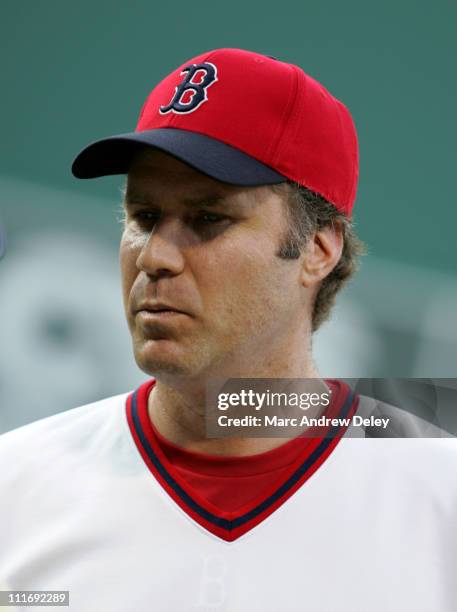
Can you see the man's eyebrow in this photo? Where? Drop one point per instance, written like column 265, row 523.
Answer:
column 206, row 200
column 131, row 197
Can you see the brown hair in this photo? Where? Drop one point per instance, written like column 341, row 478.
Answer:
column 309, row 212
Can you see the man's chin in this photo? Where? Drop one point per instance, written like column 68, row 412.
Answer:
column 162, row 362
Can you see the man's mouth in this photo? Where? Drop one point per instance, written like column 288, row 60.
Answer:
column 150, row 312
column 157, row 307
column 158, row 314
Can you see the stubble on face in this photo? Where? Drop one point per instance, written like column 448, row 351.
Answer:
column 241, row 294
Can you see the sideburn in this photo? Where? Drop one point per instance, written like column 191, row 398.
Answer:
column 290, row 246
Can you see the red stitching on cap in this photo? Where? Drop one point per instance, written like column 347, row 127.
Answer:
column 289, row 108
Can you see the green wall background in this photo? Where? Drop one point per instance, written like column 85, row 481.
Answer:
column 75, row 71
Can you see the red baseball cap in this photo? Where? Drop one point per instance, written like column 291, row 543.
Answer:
column 242, row 118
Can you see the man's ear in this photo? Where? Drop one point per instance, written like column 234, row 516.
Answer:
column 322, row 253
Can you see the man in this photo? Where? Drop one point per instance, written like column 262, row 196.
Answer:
column 241, row 177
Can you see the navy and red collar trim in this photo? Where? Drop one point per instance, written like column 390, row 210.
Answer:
column 231, row 525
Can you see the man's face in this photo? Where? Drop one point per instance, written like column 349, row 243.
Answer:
column 209, row 251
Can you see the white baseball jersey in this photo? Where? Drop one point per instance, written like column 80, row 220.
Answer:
column 89, row 505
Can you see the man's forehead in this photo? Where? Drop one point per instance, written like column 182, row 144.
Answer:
column 154, row 176
column 152, row 170
column 207, row 198
column 159, row 186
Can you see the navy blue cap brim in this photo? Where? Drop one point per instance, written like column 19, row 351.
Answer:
column 212, row 157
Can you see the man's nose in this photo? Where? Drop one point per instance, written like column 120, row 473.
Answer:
column 162, row 254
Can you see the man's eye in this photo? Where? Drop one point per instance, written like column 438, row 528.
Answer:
column 211, row 218
column 144, row 216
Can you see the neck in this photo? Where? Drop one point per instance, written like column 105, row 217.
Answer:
column 177, row 410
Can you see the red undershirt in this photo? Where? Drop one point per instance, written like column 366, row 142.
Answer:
column 230, row 483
